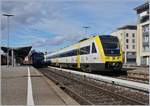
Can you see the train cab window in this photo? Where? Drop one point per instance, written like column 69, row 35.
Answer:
column 93, row 48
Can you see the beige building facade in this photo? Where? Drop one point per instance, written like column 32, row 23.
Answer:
column 143, row 38
column 127, row 37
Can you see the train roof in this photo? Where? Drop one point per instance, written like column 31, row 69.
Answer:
column 82, row 40
column 35, row 53
column 106, row 36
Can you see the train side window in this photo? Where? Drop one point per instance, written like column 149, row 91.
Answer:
column 88, row 49
column 69, row 53
column 85, row 50
column 72, row 53
column 93, row 48
column 81, row 51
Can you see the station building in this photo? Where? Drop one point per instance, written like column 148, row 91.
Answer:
column 127, row 38
column 143, row 38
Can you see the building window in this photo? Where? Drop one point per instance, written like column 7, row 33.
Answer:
column 133, row 53
column 127, row 40
column 133, row 46
column 146, row 49
column 126, row 34
column 144, row 18
column 145, row 39
column 126, row 46
column 133, row 35
column 133, row 40
column 145, row 28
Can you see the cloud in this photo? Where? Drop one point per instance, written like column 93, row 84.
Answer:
column 55, row 41
column 60, row 21
column 43, row 15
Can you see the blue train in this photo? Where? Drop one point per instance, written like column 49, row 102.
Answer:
column 37, row 59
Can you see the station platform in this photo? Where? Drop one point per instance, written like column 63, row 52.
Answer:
column 24, row 85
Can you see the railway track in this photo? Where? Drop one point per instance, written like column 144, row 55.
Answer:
column 130, row 76
column 137, row 74
column 88, row 92
column 124, row 75
column 135, row 79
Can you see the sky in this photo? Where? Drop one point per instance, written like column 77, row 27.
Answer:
column 48, row 25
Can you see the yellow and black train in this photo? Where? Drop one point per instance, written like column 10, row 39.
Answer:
column 96, row 53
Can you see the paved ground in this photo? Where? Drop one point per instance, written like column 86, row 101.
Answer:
column 26, row 86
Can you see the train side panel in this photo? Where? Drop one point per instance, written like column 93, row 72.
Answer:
column 88, row 55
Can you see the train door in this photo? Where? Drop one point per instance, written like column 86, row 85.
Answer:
column 93, row 54
column 78, row 57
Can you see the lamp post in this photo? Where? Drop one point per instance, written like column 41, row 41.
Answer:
column 125, row 48
column 8, row 15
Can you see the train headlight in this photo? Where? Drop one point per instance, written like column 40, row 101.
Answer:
column 113, row 64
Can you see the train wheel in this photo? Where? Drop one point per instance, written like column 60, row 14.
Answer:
column 88, row 70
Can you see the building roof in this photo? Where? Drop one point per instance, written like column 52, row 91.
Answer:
column 131, row 27
column 142, row 7
column 21, row 52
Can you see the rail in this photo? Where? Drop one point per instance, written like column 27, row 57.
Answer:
column 125, row 83
column 78, row 85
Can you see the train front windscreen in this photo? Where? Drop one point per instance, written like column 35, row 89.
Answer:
column 38, row 57
column 110, row 45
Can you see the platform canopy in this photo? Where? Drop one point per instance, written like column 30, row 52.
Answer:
column 20, row 52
